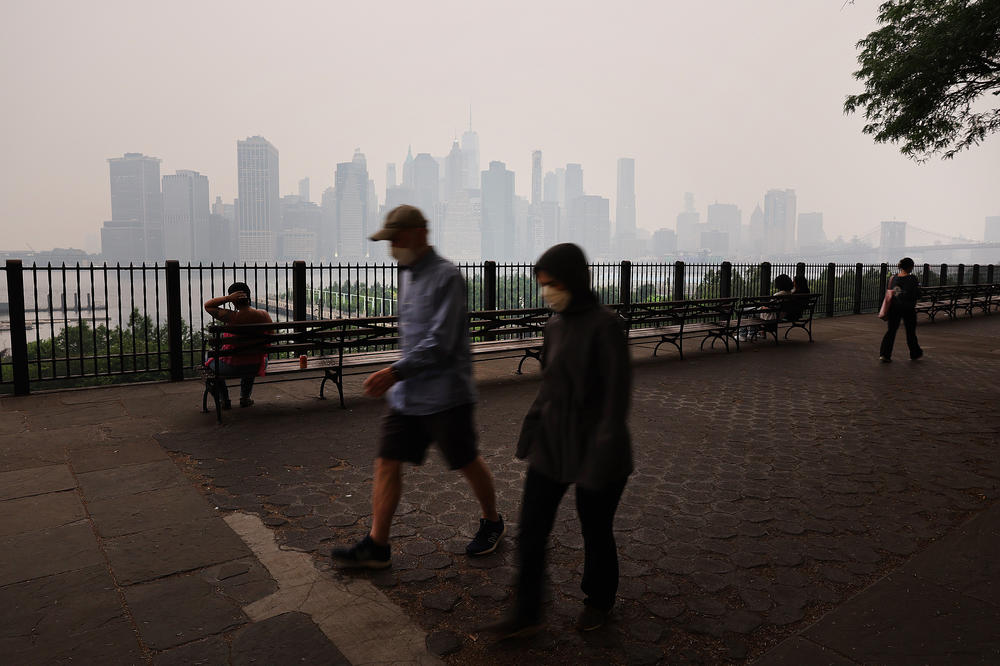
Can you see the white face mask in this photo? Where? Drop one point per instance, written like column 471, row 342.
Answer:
column 557, row 299
column 404, row 255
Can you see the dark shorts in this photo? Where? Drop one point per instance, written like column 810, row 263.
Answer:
column 406, row 437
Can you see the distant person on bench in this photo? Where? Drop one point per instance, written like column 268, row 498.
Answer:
column 795, row 307
column 906, row 293
column 246, row 366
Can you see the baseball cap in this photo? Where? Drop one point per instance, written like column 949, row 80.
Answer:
column 400, row 217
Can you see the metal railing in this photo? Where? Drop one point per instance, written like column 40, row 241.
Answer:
column 84, row 325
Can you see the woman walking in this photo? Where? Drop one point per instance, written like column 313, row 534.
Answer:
column 574, row 433
column 906, row 293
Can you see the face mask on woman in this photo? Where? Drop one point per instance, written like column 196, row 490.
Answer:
column 556, row 299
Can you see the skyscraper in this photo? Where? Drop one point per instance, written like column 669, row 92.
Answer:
column 408, row 169
column 726, row 219
column 625, row 203
column 135, row 231
column 259, row 201
column 351, row 190
column 536, row 178
column 757, row 240
column 470, row 149
column 390, row 176
column 689, row 227
column 779, row 221
column 454, row 172
column 304, row 189
column 811, row 232
column 574, row 183
column 463, row 221
column 589, row 221
column 186, row 230
column 498, row 213
column 425, row 185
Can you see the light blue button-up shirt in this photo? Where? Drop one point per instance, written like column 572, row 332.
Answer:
column 436, row 369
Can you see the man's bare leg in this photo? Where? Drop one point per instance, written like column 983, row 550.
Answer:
column 386, row 490
column 479, row 477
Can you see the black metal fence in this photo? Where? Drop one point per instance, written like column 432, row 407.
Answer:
column 84, row 325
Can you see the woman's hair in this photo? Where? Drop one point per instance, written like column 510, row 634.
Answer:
column 800, row 284
column 567, row 263
column 783, row 283
column 240, row 286
column 906, row 264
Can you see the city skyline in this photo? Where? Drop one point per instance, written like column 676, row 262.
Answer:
column 714, row 108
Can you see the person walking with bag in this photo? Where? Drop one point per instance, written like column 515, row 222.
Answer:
column 902, row 304
column 575, row 433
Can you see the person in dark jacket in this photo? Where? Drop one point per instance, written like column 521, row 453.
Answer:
column 574, row 433
column 906, row 288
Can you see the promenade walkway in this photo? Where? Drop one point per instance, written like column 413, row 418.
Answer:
column 791, row 505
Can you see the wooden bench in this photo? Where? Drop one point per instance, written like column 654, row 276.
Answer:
column 768, row 314
column 935, row 300
column 671, row 321
column 336, row 346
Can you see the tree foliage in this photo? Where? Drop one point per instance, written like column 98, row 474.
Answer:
column 924, row 70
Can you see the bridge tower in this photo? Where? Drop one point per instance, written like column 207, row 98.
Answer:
column 893, row 240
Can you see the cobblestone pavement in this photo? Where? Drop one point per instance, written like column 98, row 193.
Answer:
column 770, row 486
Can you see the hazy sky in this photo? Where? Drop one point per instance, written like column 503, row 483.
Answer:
column 723, row 99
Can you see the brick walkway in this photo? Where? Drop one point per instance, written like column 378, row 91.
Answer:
column 771, row 487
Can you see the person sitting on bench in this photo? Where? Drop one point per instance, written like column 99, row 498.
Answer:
column 247, row 365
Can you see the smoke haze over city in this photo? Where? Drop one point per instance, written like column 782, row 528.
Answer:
column 723, row 100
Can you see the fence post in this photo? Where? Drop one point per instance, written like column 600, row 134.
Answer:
column 831, row 287
column 989, row 274
column 726, row 280
column 298, row 290
column 174, row 339
column 490, row 285
column 961, row 273
column 975, row 274
column 678, row 280
column 944, row 275
column 883, row 280
column 625, row 284
column 765, row 279
column 18, row 335
column 857, row 287
column 926, row 282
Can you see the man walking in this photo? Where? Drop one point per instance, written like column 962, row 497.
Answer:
column 429, row 391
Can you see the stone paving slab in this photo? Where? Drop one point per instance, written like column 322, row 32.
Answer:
column 155, row 509
column 51, row 607
column 114, row 643
column 181, row 609
column 47, row 552
column 109, row 455
column 36, row 512
column 285, row 639
column 35, row 481
column 903, row 620
column 172, row 549
column 129, row 479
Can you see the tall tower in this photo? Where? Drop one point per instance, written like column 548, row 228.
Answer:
column 304, row 189
column 574, row 183
column 498, row 213
column 259, row 201
column 185, row 216
column 135, row 231
column 351, row 192
column 454, row 172
column 779, row 221
column 470, row 150
column 625, row 203
column 536, row 178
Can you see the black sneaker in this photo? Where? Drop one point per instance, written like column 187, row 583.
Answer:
column 591, row 618
column 364, row 554
column 246, row 402
column 487, row 538
column 885, row 359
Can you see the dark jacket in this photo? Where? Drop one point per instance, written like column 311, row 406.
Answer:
column 576, row 430
column 907, row 291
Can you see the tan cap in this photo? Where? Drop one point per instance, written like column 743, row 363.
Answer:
column 400, row 217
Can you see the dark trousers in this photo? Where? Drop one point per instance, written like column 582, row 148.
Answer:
column 245, row 373
column 596, row 510
column 909, row 319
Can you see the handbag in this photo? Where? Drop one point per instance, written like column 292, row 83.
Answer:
column 883, row 312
